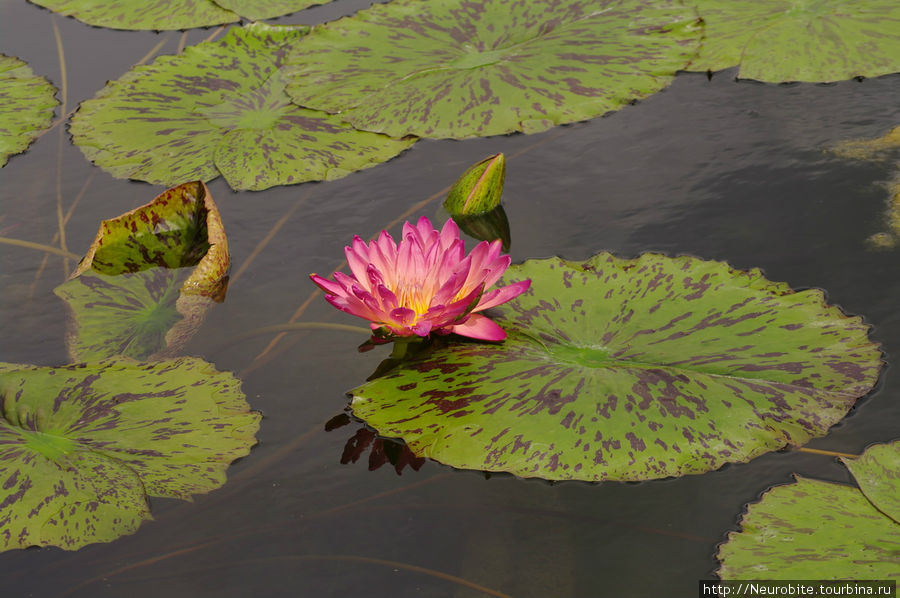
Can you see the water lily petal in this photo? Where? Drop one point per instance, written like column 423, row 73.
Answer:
column 330, row 287
column 480, row 327
column 358, row 261
column 502, row 295
column 449, row 233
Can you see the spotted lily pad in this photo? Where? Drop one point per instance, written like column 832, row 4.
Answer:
column 148, row 279
column 221, row 108
column 82, row 446
column 877, row 471
column 617, row 369
column 812, row 530
column 26, row 106
column 172, row 14
column 800, row 40
column 463, row 68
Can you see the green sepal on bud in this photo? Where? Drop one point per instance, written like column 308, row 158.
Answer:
column 479, row 189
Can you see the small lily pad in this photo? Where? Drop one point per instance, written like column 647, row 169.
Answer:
column 221, row 108
column 82, row 446
column 618, row 369
column 172, row 14
column 791, row 40
column 877, row 471
column 465, row 68
column 812, row 530
column 26, row 106
column 146, row 283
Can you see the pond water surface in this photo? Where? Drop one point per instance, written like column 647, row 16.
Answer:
column 717, row 168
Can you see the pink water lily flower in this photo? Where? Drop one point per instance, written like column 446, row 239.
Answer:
column 426, row 285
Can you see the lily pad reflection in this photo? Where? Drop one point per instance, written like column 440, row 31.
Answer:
column 149, row 278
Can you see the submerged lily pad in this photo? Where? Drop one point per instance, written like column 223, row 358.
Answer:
column 878, row 149
column 877, row 471
column 463, row 68
column 82, row 446
column 812, row 530
column 172, row 14
column 617, row 369
column 800, row 40
column 26, row 106
column 221, row 108
column 146, row 283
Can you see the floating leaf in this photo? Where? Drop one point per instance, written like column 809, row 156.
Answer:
column 221, row 108
column 146, row 283
column 786, row 40
column 81, row 445
column 26, row 106
column 877, row 471
column 812, row 530
column 257, row 10
column 172, row 14
column 620, row 369
column 464, row 68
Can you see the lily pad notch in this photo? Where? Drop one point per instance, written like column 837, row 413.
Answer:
column 221, row 108
column 82, row 446
column 27, row 104
column 630, row 369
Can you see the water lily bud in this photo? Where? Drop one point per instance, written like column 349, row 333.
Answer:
column 479, row 189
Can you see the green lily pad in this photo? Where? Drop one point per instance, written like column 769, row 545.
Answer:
column 800, row 40
column 221, row 108
column 146, row 283
column 172, row 14
column 26, row 106
column 465, row 68
column 82, row 446
column 617, row 369
column 257, row 10
column 877, row 471
column 812, row 530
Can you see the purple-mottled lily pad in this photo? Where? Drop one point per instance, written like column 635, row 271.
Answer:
column 221, row 108
column 630, row 369
column 812, row 530
column 83, row 445
column 463, row 68
column 147, row 281
column 172, row 14
column 787, row 40
column 877, row 471
column 26, row 106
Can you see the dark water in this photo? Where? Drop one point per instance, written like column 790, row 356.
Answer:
column 717, row 168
